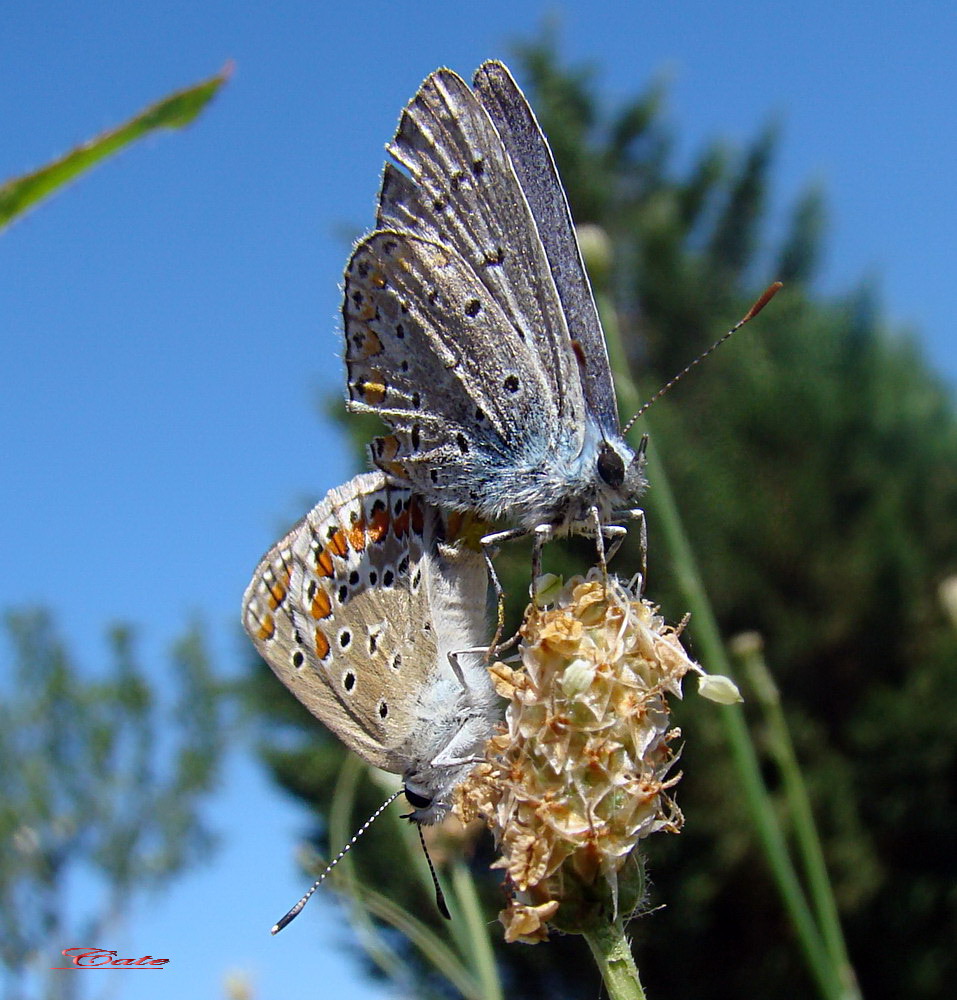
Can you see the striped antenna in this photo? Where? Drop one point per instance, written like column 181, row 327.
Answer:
column 295, row 911
column 765, row 298
column 439, row 895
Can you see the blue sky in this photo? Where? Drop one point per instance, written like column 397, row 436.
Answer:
column 170, row 322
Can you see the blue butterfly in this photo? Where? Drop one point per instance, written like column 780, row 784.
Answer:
column 470, row 325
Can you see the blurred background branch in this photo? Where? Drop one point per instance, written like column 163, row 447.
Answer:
column 102, row 781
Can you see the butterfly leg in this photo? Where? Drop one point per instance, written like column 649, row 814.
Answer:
column 600, row 532
column 636, row 514
column 609, row 538
column 497, row 537
column 490, row 545
column 456, row 761
column 454, row 655
column 499, row 598
column 614, row 534
column 544, row 533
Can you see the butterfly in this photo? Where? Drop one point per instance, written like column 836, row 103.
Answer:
column 371, row 611
column 470, row 325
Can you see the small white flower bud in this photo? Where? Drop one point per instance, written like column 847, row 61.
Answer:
column 716, row 687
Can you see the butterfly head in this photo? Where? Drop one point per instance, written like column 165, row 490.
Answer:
column 429, row 789
column 426, row 807
column 606, row 475
column 619, row 474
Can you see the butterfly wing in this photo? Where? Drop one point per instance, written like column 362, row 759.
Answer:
column 464, row 228
column 340, row 609
column 427, row 352
column 536, row 172
column 314, row 614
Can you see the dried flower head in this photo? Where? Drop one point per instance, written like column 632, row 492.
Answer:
column 581, row 773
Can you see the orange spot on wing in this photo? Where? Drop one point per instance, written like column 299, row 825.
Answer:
column 321, row 605
column 384, row 452
column 373, row 392
column 378, row 526
column 372, row 387
column 396, row 469
column 357, row 535
column 338, row 544
column 267, row 628
column 322, row 644
column 400, row 524
column 387, row 448
column 277, row 594
column 324, row 563
column 371, row 345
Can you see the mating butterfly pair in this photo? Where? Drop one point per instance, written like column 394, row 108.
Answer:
column 471, row 329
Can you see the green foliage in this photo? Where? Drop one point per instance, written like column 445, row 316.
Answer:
column 814, row 460
column 178, row 110
column 82, row 787
column 797, row 260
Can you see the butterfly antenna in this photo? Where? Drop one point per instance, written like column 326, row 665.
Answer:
column 295, row 911
column 766, row 297
column 439, row 895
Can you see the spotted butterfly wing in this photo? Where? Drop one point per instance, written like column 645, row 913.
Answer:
column 471, row 334
column 356, row 610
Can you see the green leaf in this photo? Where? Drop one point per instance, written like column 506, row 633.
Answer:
column 20, row 194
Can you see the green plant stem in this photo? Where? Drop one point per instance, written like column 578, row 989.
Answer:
column 743, row 753
column 715, row 658
column 340, row 819
column 612, row 951
column 470, row 907
column 433, row 949
column 799, row 806
column 366, row 901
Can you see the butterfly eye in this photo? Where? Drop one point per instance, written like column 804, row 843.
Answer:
column 610, row 466
column 417, row 801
